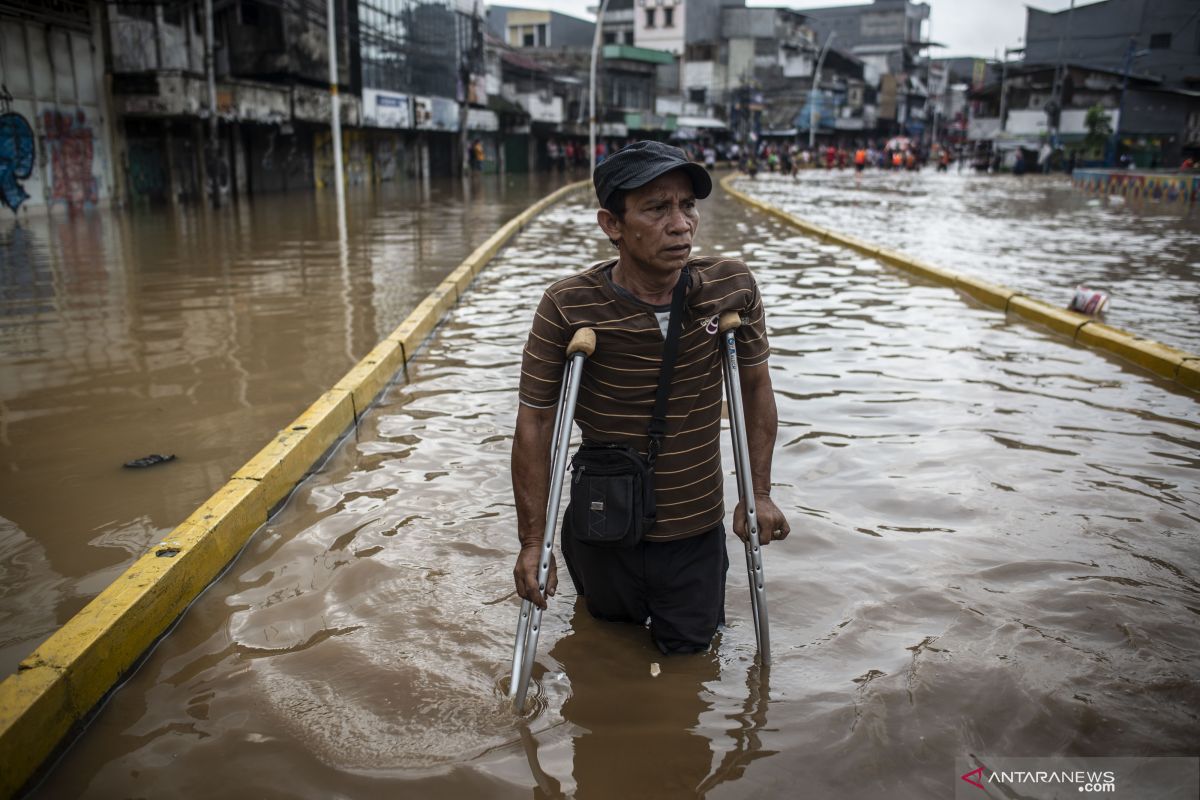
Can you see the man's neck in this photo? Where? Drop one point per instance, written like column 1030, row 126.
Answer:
column 649, row 288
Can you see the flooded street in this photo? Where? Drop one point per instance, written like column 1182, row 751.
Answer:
column 993, row 547
column 189, row 333
column 1034, row 234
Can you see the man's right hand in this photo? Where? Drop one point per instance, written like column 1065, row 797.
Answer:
column 525, row 574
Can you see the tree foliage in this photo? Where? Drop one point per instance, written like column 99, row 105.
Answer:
column 1099, row 128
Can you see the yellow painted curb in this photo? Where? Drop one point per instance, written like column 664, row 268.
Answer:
column 285, row 460
column 986, row 292
column 60, row 683
column 424, row 318
column 368, row 377
column 1189, row 373
column 40, row 695
column 1178, row 365
column 919, row 268
column 853, row 242
column 1056, row 319
column 76, row 667
column 1151, row 355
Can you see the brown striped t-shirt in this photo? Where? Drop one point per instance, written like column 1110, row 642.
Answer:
column 616, row 395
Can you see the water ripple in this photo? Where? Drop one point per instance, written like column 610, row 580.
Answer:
column 991, row 551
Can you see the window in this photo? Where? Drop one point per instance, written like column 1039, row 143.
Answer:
column 1160, row 41
column 698, row 96
column 668, row 18
column 527, row 36
column 649, row 17
column 610, row 37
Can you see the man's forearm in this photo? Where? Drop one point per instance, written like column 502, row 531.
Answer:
column 762, row 425
column 531, row 471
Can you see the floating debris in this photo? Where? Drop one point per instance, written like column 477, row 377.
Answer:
column 1088, row 301
column 149, row 461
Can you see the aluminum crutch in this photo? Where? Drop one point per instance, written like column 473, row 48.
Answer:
column 529, row 623
column 730, row 321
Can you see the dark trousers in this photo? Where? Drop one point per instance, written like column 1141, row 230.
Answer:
column 679, row 585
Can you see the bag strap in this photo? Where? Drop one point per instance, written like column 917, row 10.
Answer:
column 658, row 419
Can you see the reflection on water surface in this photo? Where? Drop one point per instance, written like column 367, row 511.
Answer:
column 191, row 333
column 1036, row 235
column 991, row 554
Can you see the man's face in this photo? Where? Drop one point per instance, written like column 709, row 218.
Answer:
column 660, row 221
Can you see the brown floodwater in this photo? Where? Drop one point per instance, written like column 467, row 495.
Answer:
column 993, row 553
column 1036, row 234
column 186, row 333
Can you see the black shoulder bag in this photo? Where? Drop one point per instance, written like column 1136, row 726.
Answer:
column 612, row 484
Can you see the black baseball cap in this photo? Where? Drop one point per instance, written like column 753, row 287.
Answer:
column 637, row 164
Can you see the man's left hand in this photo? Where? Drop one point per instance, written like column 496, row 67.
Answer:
column 771, row 523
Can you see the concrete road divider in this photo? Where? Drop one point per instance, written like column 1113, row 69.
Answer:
column 1167, row 362
column 1189, row 373
column 1154, row 356
column 1056, row 319
column 57, row 687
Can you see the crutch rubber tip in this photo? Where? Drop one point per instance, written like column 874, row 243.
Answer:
column 729, row 320
column 584, row 341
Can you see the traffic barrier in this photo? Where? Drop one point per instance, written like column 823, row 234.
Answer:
column 1163, row 360
column 58, row 686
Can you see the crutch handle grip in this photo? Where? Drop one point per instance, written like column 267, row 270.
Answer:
column 729, row 320
column 584, row 341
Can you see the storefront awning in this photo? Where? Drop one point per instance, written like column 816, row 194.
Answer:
column 699, row 122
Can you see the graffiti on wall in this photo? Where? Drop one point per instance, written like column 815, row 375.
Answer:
column 387, row 158
column 16, row 153
column 356, row 158
column 1168, row 188
column 71, row 144
column 283, row 157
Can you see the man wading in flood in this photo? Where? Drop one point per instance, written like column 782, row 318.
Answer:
column 675, row 576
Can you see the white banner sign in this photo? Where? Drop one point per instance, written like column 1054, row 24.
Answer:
column 386, row 109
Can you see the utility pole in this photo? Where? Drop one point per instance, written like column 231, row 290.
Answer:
column 1130, row 55
column 1004, row 82
column 596, row 39
column 210, row 74
column 1054, row 107
column 470, row 60
column 812, row 97
column 335, row 121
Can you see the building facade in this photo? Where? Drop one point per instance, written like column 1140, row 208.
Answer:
column 889, row 37
column 525, row 27
column 1136, row 61
column 1160, row 37
column 55, row 127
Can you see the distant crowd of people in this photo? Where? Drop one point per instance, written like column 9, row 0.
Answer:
column 788, row 158
column 899, row 153
column 568, row 155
